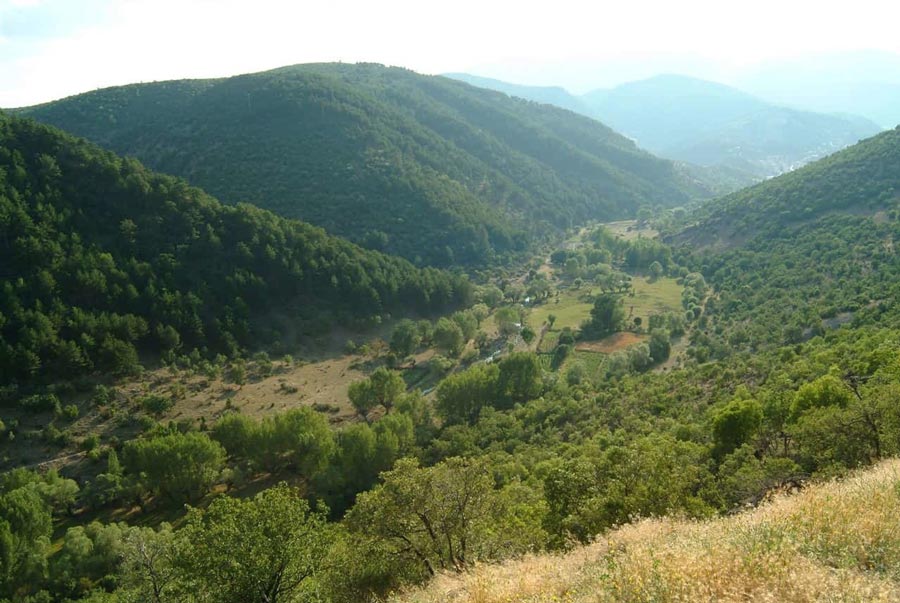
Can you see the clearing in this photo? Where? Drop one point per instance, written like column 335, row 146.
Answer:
column 573, row 306
column 613, row 343
column 657, row 297
column 629, row 230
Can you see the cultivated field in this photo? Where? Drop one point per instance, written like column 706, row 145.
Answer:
column 613, row 343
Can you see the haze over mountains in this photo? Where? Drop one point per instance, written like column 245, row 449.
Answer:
column 426, row 167
column 864, row 83
column 706, row 123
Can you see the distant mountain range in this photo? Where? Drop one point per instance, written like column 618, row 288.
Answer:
column 865, row 83
column 426, row 167
column 550, row 95
column 706, row 123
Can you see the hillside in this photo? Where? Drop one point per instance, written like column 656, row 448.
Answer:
column 830, row 542
column 861, row 179
column 600, row 425
column 638, row 381
column 104, row 259
column 808, row 250
column 426, row 167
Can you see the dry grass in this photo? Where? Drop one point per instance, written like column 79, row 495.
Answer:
column 836, row 542
column 321, row 382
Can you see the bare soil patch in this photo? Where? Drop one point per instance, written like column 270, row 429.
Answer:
column 613, row 343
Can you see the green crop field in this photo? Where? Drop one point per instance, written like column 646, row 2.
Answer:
column 574, row 307
column 592, row 362
column 663, row 295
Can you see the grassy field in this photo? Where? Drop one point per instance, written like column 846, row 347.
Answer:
column 663, row 295
column 591, row 361
column 574, row 307
column 832, row 542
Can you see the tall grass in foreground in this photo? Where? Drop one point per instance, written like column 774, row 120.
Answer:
column 835, row 542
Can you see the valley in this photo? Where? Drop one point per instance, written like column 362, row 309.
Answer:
column 196, row 393
column 349, row 333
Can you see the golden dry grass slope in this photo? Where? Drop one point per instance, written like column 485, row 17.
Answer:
column 838, row 541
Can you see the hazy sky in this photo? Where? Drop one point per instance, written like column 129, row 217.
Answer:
column 54, row 48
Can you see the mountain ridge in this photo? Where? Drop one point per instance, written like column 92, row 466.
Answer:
column 711, row 124
column 422, row 166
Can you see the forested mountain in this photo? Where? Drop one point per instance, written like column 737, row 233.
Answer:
column 666, row 110
column 754, row 346
column 427, row 167
column 529, row 451
column 861, row 179
column 103, row 259
column 706, row 123
column 804, row 251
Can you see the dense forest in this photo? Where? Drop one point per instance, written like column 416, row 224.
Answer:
column 426, row 167
column 104, row 260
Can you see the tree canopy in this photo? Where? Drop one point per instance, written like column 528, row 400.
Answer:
column 104, row 259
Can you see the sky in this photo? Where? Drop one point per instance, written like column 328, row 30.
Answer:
column 54, row 48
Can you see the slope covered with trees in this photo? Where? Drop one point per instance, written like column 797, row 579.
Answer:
column 426, row 167
column 861, row 179
column 518, row 455
column 799, row 253
column 103, row 259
